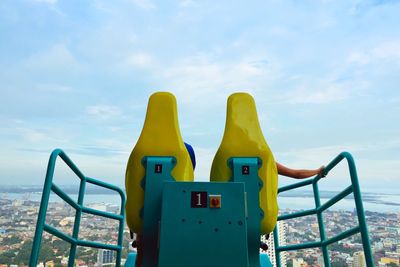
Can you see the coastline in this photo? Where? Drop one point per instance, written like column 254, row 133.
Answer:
column 297, row 200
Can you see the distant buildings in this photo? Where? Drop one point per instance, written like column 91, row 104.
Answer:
column 359, row 259
column 385, row 261
column 282, row 241
column 18, row 220
column 105, row 257
column 299, row 263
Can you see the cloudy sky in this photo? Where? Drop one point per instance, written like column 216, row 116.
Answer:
column 77, row 75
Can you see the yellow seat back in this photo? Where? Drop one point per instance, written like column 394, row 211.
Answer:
column 243, row 138
column 160, row 137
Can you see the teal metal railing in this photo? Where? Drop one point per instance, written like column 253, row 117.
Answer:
column 318, row 210
column 79, row 207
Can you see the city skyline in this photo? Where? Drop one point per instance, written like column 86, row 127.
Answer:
column 324, row 75
column 18, row 224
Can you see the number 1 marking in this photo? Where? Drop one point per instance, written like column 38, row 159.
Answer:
column 198, row 200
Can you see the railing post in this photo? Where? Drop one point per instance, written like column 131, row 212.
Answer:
column 121, row 231
column 276, row 244
column 321, row 226
column 77, row 223
column 37, row 240
column 360, row 210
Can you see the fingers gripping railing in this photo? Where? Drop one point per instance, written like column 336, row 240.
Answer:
column 318, row 210
column 79, row 207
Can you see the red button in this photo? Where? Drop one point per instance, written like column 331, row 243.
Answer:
column 215, row 202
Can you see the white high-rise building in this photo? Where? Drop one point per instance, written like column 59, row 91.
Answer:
column 299, row 263
column 359, row 259
column 105, row 257
column 271, row 248
column 320, row 260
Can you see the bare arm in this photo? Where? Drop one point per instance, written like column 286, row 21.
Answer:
column 296, row 173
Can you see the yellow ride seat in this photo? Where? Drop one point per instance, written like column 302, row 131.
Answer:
column 160, row 136
column 243, row 138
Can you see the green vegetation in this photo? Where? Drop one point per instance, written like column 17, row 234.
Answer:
column 7, row 257
column 50, row 250
column 339, row 263
column 87, row 254
column 11, row 240
column 21, row 256
column 340, row 248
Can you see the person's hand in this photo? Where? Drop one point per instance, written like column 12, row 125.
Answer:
column 321, row 172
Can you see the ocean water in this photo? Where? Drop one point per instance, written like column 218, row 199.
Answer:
column 378, row 204
column 297, row 203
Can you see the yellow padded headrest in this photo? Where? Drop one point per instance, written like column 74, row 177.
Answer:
column 243, row 138
column 160, row 136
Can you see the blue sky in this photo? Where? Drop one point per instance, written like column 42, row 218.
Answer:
column 77, row 75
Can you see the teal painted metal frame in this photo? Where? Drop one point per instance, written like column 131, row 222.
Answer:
column 325, row 242
column 254, row 213
column 153, row 185
column 79, row 207
column 203, row 237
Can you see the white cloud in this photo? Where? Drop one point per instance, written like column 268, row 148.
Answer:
column 330, row 151
column 103, row 111
column 311, row 157
column 145, row 4
column 387, row 50
column 57, row 57
column 329, row 94
column 186, row 3
column 279, row 31
column 384, row 51
column 381, row 172
column 53, row 87
column 327, row 22
column 359, row 57
column 115, row 144
column 32, row 135
column 109, row 45
column 202, row 77
column 204, row 158
column 141, row 60
column 52, row 2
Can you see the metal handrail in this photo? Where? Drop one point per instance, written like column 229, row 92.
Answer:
column 324, row 241
column 79, row 207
